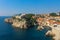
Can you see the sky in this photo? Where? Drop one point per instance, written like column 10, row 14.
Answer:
column 12, row 7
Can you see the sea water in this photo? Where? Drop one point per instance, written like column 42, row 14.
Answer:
column 7, row 32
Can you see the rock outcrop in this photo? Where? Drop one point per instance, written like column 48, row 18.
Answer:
column 50, row 33
column 20, row 24
column 9, row 20
column 40, row 28
column 22, row 21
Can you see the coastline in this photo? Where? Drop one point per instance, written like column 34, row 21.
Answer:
column 20, row 22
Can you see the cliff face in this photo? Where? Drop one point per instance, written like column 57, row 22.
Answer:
column 21, row 21
column 20, row 24
column 16, row 23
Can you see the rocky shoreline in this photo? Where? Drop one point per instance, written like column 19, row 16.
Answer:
column 24, row 21
column 21, row 21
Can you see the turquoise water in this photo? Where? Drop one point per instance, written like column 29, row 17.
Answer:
column 7, row 32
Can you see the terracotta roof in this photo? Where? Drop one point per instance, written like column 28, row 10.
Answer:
column 40, row 19
column 56, row 22
column 51, row 21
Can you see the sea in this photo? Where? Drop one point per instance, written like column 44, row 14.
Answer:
column 8, row 32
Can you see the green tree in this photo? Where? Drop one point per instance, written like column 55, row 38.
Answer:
column 53, row 14
column 29, row 19
column 28, row 16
